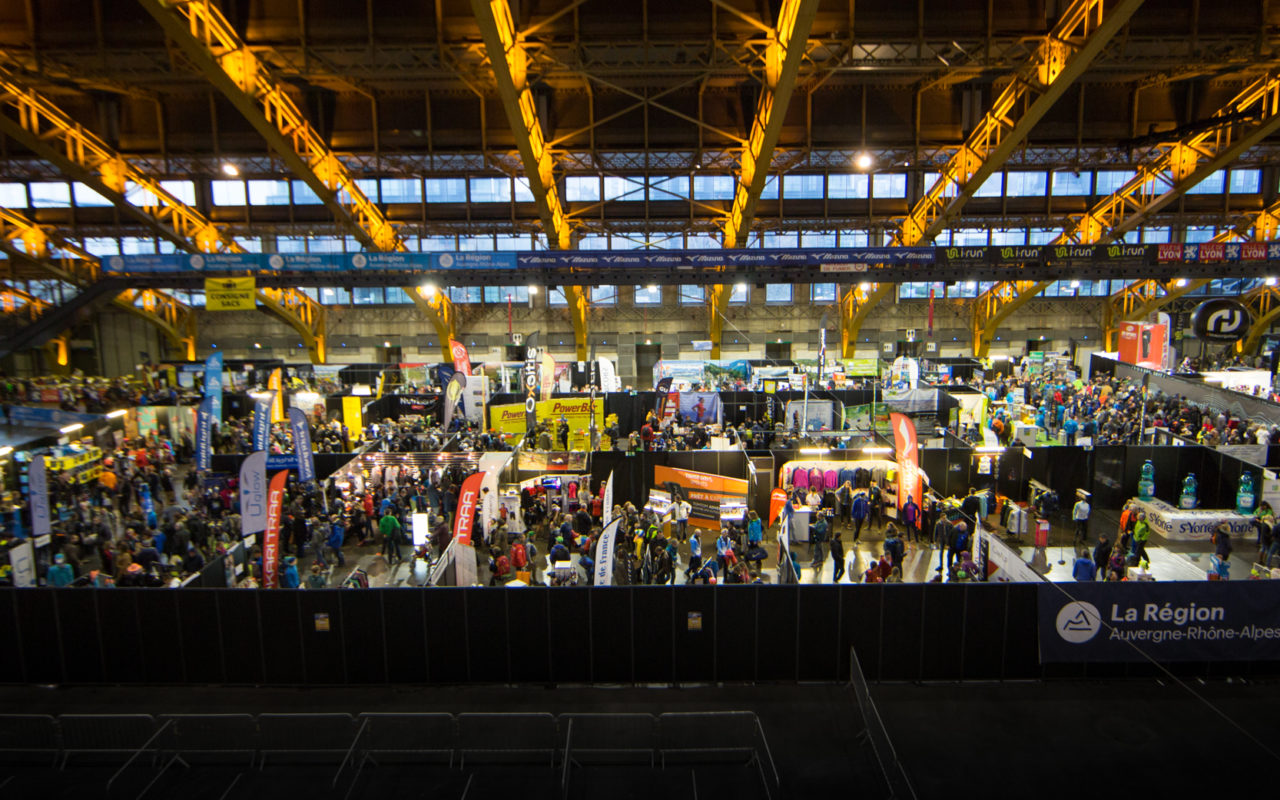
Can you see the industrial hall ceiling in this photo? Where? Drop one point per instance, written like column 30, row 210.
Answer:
column 642, row 91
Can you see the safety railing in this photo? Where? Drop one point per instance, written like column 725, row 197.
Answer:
column 895, row 775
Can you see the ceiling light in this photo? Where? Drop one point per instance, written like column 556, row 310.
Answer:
column 863, row 161
column 71, row 428
column 386, row 344
column 533, row 290
column 1075, row 284
column 1180, row 282
column 428, row 290
column 257, row 346
column 739, row 287
column 653, row 287
column 971, row 285
column 119, row 412
column 814, row 451
column 230, row 170
column 862, row 287
column 871, row 451
column 1270, row 281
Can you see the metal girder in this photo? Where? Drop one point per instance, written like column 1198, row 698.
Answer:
column 1063, row 54
column 1264, row 304
column 783, row 54
column 1168, row 171
column 16, row 301
column 209, row 42
column 509, row 64
column 994, row 306
column 1142, row 298
column 78, row 267
column 303, row 314
column 1171, row 168
column 46, row 130
column 443, row 315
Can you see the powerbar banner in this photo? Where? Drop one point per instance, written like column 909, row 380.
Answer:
column 511, row 418
column 1181, row 621
column 230, row 294
column 704, row 491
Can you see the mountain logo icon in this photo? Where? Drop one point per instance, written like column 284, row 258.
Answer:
column 1078, row 622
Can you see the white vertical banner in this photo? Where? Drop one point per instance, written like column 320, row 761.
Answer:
column 22, row 557
column 606, row 501
column 604, row 553
column 38, row 496
column 253, row 494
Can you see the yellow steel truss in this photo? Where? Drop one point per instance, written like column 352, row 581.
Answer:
column 783, row 55
column 1082, row 31
column 509, row 63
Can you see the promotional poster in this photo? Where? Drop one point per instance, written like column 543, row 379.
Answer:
column 704, row 491
column 1143, row 344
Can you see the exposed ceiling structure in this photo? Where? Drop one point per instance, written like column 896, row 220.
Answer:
column 649, row 88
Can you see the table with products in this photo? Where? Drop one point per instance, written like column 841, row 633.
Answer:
column 1192, row 524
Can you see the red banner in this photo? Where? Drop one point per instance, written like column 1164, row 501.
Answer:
column 461, row 360
column 904, row 436
column 468, row 499
column 777, row 500
column 271, row 539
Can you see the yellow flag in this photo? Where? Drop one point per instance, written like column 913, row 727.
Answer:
column 277, row 403
column 229, row 294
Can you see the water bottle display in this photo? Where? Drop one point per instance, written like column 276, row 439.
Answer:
column 1147, row 483
column 1245, row 500
column 1188, row 498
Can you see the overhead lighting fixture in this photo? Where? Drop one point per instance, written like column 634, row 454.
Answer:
column 1270, row 281
column 971, row 285
column 863, row 161
column 1180, row 282
column 4, row 451
column 427, row 290
column 71, row 428
column 653, row 287
column 876, row 451
column 257, row 346
column 990, row 448
column 814, row 451
column 864, row 286
column 230, row 170
column 533, row 290
column 386, row 344
column 119, row 412
column 1075, row 284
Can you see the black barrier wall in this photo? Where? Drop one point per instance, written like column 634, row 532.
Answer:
column 902, row 632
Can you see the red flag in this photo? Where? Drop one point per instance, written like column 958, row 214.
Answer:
column 468, row 499
column 461, row 360
column 271, row 539
column 904, row 436
column 777, row 500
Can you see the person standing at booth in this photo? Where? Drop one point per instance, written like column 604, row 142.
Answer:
column 859, row 510
column 1080, row 515
column 911, row 517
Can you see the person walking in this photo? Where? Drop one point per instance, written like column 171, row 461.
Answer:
column 1080, row 515
column 682, row 510
column 1084, row 568
column 389, row 527
column 1102, row 555
column 859, row 511
column 1141, row 533
column 837, row 557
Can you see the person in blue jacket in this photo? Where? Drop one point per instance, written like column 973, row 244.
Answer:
column 60, row 574
column 289, row 578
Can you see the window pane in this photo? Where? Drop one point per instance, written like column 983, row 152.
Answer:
column 818, row 240
column 13, row 195
column 490, row 190
column 770, row 190
column 930, row 179
column 401, row 190
column 268, row 193
column 648, row 296
column 630, row 189
column 593, row 242
column 251, row 244
column 1155, row 235
column 397, row 296
column 88, row 198
column 969, row 237
column 557, row 298
column 291, row 244
column 464, row 294
column 446, row 190
column 739, row 295
column 692, row 295
column 439, row 244
column 713, row 187
column 913, row 290
column 579, row 189
column 50, row 195
column 1110, row 180
column 1246, row 181
column 772, row 239
column 1197, row 233
column 802, row 187
column 1212, row 184
column 1069, row 184
column 889, row 186
column 228, row 193
column 475, row 243
column 500, row 294
column 778, row 293
column 604, row 295
column 1026, row 184
column 103, row 246
column 701, row 241
column 1042, row 235
column 523, row 193
column 324, row 244
column 303, row 195
column 991, row 187
column 674, row 188
column 841, row 186
column 517, row 241
column 854, row 239
column 1014, row 236
column 182, row 190
column 822, row 293
column 135, row 246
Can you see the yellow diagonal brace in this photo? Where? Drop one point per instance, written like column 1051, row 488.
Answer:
column 175, row 319
column 305, row 315
column 436, row 307
column 783, row 55
column 48, row 131
column 1081, row 33
column 1168, row 171
column 1264, row 305
column 17, row 301
column 508, row 61
column 994, row 307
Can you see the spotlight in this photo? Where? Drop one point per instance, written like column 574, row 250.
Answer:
column 1270, row 281
column 1075, row 284
column 740, row 287
column 653, row 287
column 863, row 161
column 1180, row 282
column 427, row 290
column 230, row 170
column 533, row 290
column 257, row 346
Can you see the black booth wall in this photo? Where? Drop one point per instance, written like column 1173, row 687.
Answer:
column 902, row 632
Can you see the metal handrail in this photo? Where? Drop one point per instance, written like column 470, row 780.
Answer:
column 895, row 774
column 564, row 767
column 350, row 752
column 136, row 753
column 777, row 779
